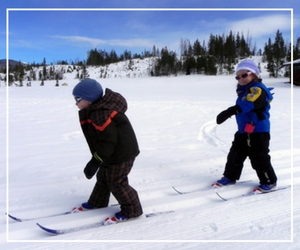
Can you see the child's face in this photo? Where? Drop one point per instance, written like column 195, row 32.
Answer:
column 82, row 104
column 244, row 77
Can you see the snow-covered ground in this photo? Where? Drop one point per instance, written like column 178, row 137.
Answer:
column 181, row 146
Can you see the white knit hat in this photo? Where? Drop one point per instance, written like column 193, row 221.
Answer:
column 248, row 65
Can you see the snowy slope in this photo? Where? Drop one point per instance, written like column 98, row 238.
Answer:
column 181, row 146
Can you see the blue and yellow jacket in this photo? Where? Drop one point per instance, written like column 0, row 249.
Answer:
column 254, row 105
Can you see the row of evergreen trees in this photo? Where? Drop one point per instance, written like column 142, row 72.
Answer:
column 217, row 56
column 221, row 54
column 193, row 58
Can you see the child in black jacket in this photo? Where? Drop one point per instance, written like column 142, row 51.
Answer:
column 113, row 145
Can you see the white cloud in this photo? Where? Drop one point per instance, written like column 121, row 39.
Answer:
column 261, row 26
column 81, row 39
column 94, row 42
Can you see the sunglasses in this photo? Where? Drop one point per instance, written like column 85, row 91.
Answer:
column 243, row 76
column 77, row 99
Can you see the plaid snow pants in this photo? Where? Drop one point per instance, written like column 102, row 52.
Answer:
column 114, row 179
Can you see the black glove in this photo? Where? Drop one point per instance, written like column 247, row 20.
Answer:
column 224, row 115
column 91, row 168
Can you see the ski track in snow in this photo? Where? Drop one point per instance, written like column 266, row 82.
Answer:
column 208, row 135
column 180, row 145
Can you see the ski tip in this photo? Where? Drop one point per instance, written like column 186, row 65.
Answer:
column 48, row 230
column 221, row 197
column 14, row 218
column 177, row 190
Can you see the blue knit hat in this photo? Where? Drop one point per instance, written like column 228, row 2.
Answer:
column 88, row 89
column 248, row 65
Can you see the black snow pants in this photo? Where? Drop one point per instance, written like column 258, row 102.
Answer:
column 256, row 147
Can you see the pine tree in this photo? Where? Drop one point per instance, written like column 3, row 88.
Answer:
column 296, row 49
column 198, row 50
column 279, row 51
column 44, row 69
column 275, row 53
column 230, row 51
column 268, row 51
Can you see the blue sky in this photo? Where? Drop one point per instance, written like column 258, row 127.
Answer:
column 56, row 34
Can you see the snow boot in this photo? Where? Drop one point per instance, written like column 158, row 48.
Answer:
column 265, row 188
column 224, row 181
column 87, row 206
column 120, row 217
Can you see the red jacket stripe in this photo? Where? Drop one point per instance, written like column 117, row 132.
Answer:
column 101, row 128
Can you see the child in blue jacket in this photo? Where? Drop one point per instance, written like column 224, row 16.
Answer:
column 252, row 138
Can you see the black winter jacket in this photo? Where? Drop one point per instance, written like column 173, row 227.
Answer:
column 107, row 129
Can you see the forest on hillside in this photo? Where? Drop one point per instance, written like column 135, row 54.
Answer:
column 217, row 56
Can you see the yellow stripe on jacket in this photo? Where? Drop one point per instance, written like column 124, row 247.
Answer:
column 254, row 94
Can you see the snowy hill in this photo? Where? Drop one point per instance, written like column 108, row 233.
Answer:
column 181, row 146
column 134, row 68
column 12, row 63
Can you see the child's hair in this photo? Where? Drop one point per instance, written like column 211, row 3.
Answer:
column 257, row 79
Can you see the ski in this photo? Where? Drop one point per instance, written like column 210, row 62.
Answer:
column 73, row 210
column 255, row 191
column 212, row 187
column 106, row 222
